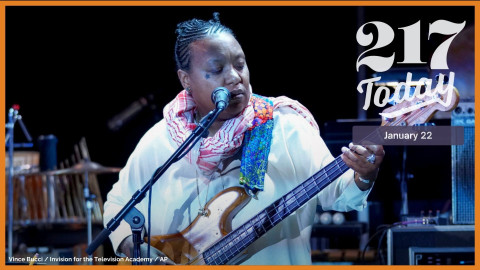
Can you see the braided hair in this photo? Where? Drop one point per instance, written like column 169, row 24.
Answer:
column 191, row 31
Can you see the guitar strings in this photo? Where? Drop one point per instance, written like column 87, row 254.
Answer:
column 270, row 212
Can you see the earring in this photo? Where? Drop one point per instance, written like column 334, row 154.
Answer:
column 189, row 90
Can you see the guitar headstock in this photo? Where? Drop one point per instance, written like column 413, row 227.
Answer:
column 421, row 108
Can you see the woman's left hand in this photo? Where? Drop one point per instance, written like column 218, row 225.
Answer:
column 365, row 161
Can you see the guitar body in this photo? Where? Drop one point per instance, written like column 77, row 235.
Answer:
column 186, row 246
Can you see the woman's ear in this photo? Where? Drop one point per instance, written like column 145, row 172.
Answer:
column 184, row 78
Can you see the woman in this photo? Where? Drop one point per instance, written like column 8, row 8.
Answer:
column 266, row 145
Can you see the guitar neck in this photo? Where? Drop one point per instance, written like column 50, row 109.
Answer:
column 239, row 239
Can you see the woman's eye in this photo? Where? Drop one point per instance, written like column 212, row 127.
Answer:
column 217, row 70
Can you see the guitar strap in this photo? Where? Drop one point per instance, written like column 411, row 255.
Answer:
column 256, row 146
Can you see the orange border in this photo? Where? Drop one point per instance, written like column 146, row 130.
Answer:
column 240, row 3
column 3, row 4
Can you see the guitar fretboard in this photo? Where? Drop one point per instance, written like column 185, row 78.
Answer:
column 239, row 239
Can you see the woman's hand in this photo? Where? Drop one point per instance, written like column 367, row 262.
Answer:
column 365, row 161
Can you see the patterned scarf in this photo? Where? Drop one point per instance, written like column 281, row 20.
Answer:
column 252, row 128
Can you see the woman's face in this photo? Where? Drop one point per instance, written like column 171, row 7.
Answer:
column 217, row 61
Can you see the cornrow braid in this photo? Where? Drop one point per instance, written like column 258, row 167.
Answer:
column 193, row 30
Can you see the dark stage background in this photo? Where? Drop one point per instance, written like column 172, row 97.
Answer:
column 72, row 69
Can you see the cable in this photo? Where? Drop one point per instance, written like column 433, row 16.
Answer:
column 379, row 247
column 382, row 230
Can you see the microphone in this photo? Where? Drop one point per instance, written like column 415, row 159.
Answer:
column 119, row 120
column 221, row 97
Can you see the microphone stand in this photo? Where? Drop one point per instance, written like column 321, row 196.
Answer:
column 129, row 213
column 13, row 117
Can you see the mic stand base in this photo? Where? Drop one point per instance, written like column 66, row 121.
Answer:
column 136, row 220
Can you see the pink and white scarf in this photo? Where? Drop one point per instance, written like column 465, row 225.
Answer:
column 180, row 118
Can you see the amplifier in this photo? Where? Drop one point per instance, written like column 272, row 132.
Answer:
column 417, row 244
column 442, row 256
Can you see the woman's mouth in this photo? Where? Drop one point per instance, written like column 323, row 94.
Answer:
column 236, row 94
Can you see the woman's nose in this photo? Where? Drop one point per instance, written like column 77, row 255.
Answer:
column 233, row 77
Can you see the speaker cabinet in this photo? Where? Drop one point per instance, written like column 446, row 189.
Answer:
column 463, row 172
